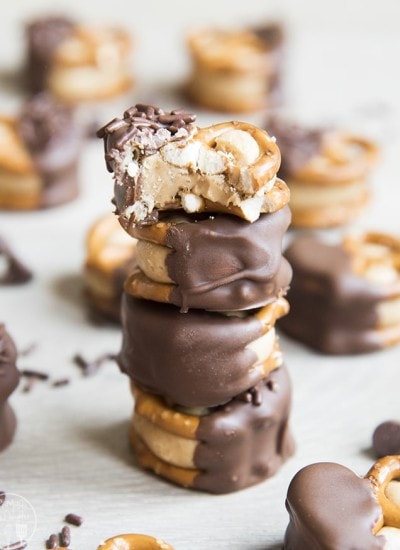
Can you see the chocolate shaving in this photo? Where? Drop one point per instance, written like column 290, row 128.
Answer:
column 20, row 545
column 52, row 541
column 90, row 368
column 2, row 497
column 31, row 373
column 16, row 273
column 65, row 537
column 74, row 519
column 60, row 382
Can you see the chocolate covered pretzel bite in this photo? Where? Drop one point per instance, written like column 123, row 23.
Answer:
column 217, row 450
column 162, row 161
column 9, row 378
column 200, row 358
column 218, row 263
column 331, row 508
column 236, row 70
column 326, row 170
column 110, row 257
column 39, row 155
column 77, row 62
column 345, row 298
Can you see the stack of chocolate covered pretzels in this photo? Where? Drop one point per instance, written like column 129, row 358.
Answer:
column 212, row 399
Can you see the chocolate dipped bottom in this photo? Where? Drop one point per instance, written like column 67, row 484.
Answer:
column 331, row 508
column 199, row 358
column 9, row 378
column 332, row 308
column 54, row 140
column 236, row 445
column 220, row 262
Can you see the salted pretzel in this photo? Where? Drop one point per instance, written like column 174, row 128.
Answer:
column 234, row 70
column 162, row 161
column 134, row 541
column 382, row 476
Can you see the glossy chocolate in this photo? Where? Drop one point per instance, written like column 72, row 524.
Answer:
column 224, row 263
column 386, row 439
column 243, row 443
column 194, row 359
column 9, row 378
column 297, row 144
column 43, row 36
column 332, row 309
column 54, row 140
column 331, row 508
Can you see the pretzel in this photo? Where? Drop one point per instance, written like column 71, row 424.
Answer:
column 381, row 475
column 232, row 70
column 170, row 440
column 134, row 542
column 228, row 167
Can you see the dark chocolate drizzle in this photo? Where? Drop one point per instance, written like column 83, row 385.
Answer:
column 15, row 272
column 9, row 378
column 332, row 309
column 54, row 139
column 224, row 263
column 296, row 143
column 196, row 359
column 149, row 128
column 243, row 443
column 331, row 508
column 43, row 36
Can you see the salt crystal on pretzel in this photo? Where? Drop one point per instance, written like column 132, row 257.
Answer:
column 163, row 161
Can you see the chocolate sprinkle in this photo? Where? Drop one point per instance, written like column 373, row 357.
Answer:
column 74, row 519
column 16, row 273
column 31, row 373
column 92, row 367
column 52, row 541
column 60, row 382
column 65, row 537
column 20, row 545
column 2, row 497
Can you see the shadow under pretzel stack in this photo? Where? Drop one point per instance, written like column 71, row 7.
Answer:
column 212, row 396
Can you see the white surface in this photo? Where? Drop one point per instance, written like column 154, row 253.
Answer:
column 71, row 452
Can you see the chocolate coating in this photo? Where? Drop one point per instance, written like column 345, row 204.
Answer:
column 43, row 36
column 331, row 508
column 54, row 140
column 241, row 443
column 15, row 272
column 332, row 309
column 194, row 359
column 386, row 439
column 297, row 144
column 9, row 378
column 224, row 263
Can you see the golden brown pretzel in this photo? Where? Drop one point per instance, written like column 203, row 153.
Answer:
column 343, row 158
column 380, row 475
column 133, row 541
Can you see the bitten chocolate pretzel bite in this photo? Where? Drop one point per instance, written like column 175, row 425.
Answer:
column 200, row 358
column 327, row 172
column 345, row 298
column 39, row 154
column 218, row 263
column 77, row 62
column 134, row 542
column 220, row 450
column 331, row 508
column 162, row 161
column 110, row 257
column 236, row 70
column 9, row 378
